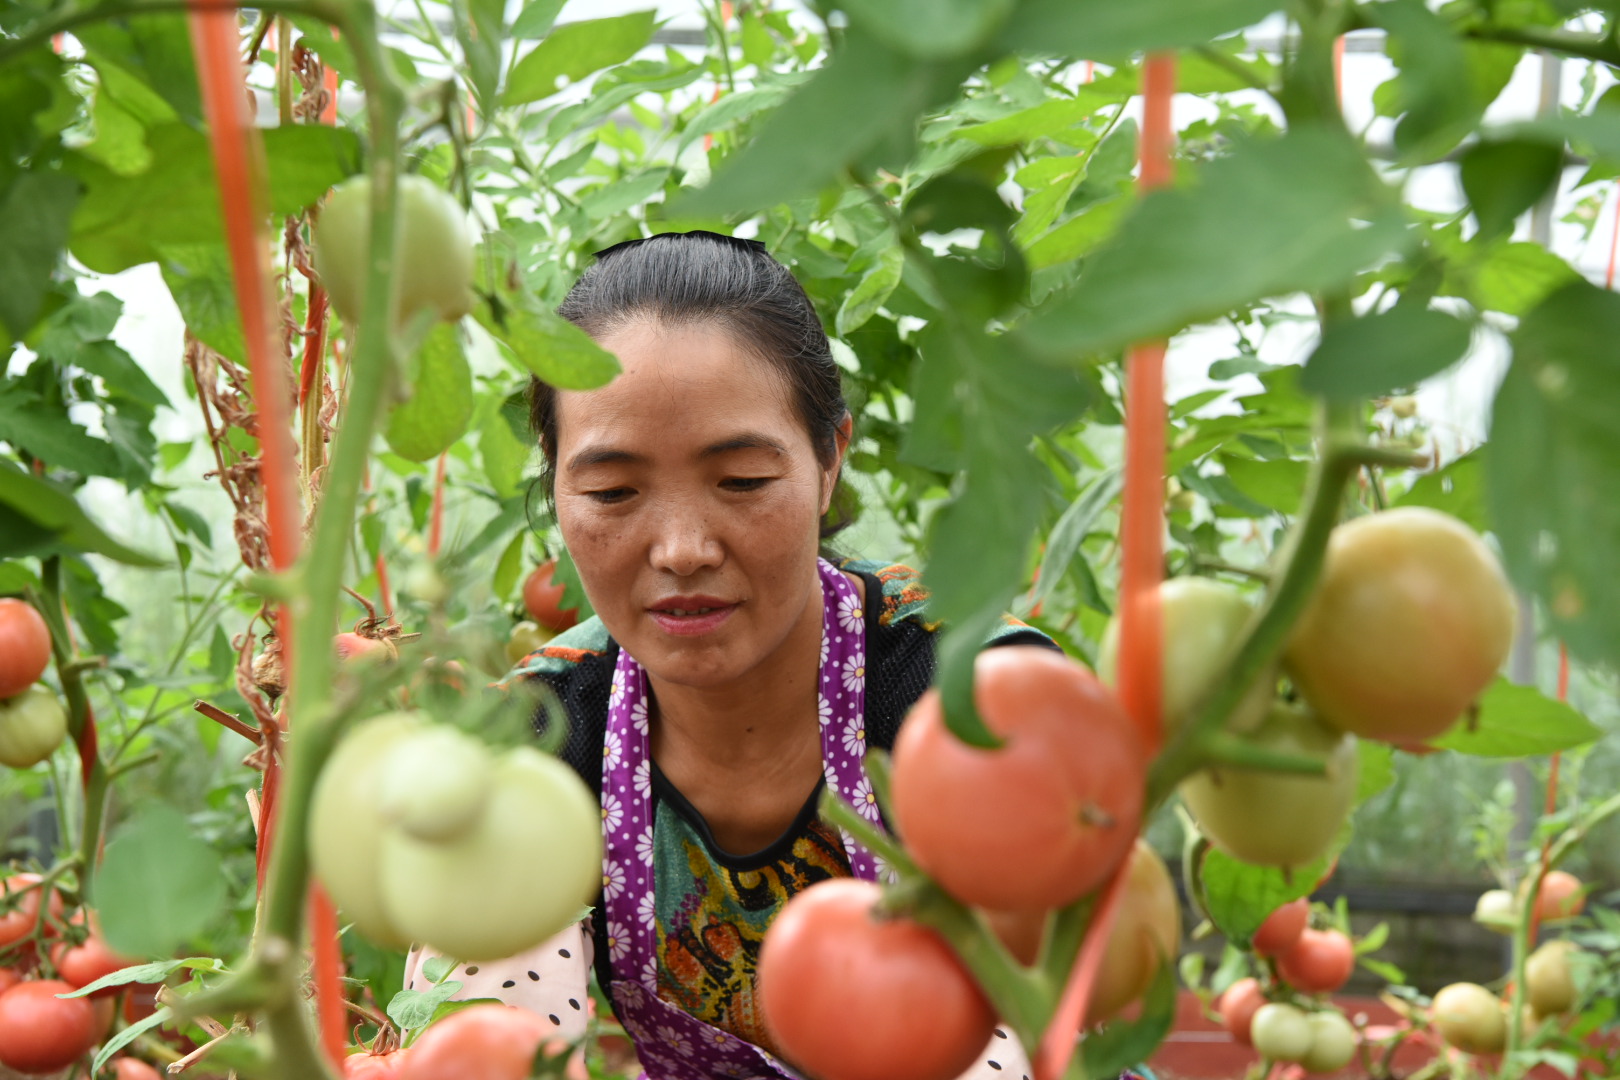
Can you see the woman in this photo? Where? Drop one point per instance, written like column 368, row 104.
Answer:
column 731, row 673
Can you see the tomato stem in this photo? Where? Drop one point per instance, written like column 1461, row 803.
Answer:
column 1224, row 749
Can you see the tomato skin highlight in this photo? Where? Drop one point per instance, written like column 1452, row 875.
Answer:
column 1045, row 818
column 543, row 597
column 25, row 646
column 1320, row 962
column 484, row 1042
column 1282, row 928
column 1237, row 1006
column 1469, row 1017
column 1410, row 622
column 40, row 1032
column 851, row 995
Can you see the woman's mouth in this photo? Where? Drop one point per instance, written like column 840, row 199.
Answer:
column 690, row 616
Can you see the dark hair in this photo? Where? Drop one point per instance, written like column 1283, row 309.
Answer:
column 684, row 278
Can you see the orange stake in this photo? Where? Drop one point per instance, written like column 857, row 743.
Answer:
column 436, row 520
column 1141, row 570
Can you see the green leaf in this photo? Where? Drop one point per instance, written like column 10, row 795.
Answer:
column 1047, row 118
column 1239, row 896
column 155, row 972
column 1503, row 179
column 1072, row 529
column 119, row 371
column 435, row 415
column 199, row 279
column 866, row 297
column 865, row 102
column 615, row 198
column 574, row 50
column 1433, row 92
column 536, row 19
column 1122, row 1044
column 930, row 29
column 49, row 435
column 1553, row 465
column 478, row 26
column 508, row 569
column 503, row 453
column 1457, row 489
column 35, row 212
column 1301, row 212
column 567, row 575
column 120, row 142
column 730, row 110
column 1383, row 352
column 158, row 885
column 551, row 348
column 162, row 1015
column 1108, row 29
column 1376, row 770
column 413, row 1009
column 1278, row 485
column 1080, row 235
column 1518, row 721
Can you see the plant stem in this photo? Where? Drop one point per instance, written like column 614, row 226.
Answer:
column 79, row 16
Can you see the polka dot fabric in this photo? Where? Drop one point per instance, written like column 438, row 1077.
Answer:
column 671, row 1043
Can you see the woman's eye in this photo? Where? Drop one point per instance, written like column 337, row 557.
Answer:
column 745, row 483
column 610, row 495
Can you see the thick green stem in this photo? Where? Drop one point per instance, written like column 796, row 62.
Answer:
column 71, row 672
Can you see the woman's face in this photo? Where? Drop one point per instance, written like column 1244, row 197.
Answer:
column 690, row 497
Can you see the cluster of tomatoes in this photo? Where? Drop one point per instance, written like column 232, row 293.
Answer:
column 41, row 1032
column 32, row 720
column 543, row 600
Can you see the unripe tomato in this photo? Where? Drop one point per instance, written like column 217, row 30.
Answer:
column 375, row 1066
column 40, row 1032
column 849, row 994
column 1274, row 818
column 433, row 253
column 128, row 1068
column 1547, row 979
column 542, row 597
column 1468, row 1016
column 527, row 637
column 21, row 907
column 1282, row 928
column 1319, row 963
column 1497, row 910
column 1333, row 1042
column 25, row 646
column 1145, row 937
column 1237, row 1006
column 520, row 874
column 1410, row 622
column 1043, row 819
column 1203, row 623
column 435, row 784
column 1560, row 896
column 484, row 1042
column 81, row 965
column 1281, row 1032
column 346, row 823
column 32, row 725
column 1403, row 407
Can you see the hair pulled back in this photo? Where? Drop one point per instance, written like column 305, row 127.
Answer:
column 678, row 279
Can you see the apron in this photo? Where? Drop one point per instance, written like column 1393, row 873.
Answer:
column 671, row 1042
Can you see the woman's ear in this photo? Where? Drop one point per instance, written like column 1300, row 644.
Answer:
column 841, row 437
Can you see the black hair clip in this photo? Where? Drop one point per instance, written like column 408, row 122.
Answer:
column 751, row 246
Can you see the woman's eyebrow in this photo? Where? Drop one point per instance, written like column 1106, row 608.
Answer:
column 745, row 441
column 603, row 455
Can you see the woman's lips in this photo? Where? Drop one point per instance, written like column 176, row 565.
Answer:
column 691, row 616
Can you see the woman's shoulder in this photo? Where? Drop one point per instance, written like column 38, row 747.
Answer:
column 585, row 646
column 904, row 602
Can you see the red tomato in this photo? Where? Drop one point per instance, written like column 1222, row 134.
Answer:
column 851, row 995
column 25, row 646
column 1045, row 818
column 22, row 907
column 1560, row 896
column 81, row 965
column 1319, row 963
column 8, row 979
column 373, row 1066
column 40, row 1032
column 484, row 1042
column 542, row 596
column 140, row 1001
column 356, row 648
column 128, row 1068
column 1237, row 1007
column 1282, row 928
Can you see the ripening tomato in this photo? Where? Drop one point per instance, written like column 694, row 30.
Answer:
column 1468, row 1016
column 1333, row 1042
column 1237, row 1006
column 128, row 1068
column 1145, row 937
column 849, row 994
column 527, row 637
column 1039, row 821
column 1497, row 910
column 1281, row 1032
column 484, row 1042
column 25, row 646
column 1203, row 624
column 364, row 1066
column 355, row 648
column 433, row 253
column 40, row 1032
column 1410, row 622
column 32, row 725
column 1282, row 928
column 543, row 597
column 1560, row 896
column 1319, row 963
column 21, row 907
column 1274, row 818
column 81, row 965
column 1547, row 978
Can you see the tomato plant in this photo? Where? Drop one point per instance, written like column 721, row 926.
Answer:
column 25, row 646
column 832, row 954
column 40, row 1032
column 1146, row 938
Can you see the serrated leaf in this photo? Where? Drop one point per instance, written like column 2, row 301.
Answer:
column 1384, row 351
column 158, row 884
column 1071, row 530
column 503, row 454
column 870, row 293
column 729, row 110
column 574, row 50
column 1277, row 485
column 435, row 415
column 162, row 1015
column 51, row 437
column 1080, row 235
column 620, row 195
column 155, row 972
column 199, row 279
column 1516, row 721
column 551, row 348
column 413, row 1009
column 120, row 372
column 1239, row 896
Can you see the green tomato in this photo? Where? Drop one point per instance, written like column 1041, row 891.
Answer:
column 433, row 250
column 1281, row 1032
column 1548, row 979
column 1471, row 1018
column 435, row 784
column 346, row 822
column 527, row 868
column 32, row 724
column 1497, row 910
column 1333, row 1042
column 1275, row 818
column 526, row 638
column 1203, row 622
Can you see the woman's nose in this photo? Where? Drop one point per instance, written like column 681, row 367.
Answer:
column 684, row 542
